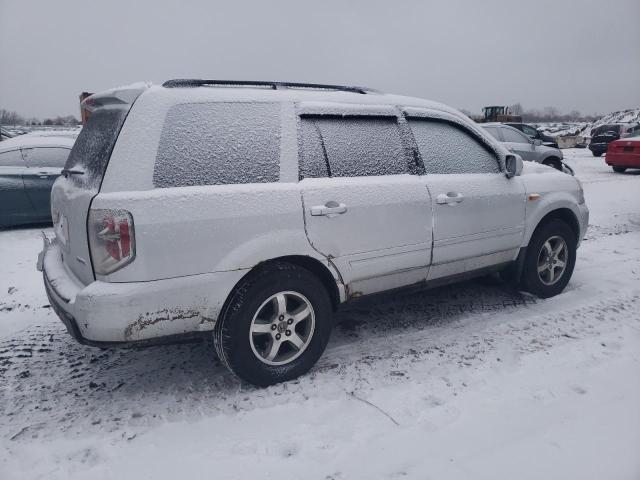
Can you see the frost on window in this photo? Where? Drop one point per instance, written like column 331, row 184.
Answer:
column 362, row 146
column 313, row 163
column 218, row 144
column 92, row 149
column 446, row 148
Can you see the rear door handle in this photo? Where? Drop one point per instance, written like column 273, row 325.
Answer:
column 450, row 198
column 43, row 174
column 329, row 209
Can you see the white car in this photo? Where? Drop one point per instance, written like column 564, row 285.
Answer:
column 251, row 210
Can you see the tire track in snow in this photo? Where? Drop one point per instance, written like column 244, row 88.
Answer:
column 51, row 384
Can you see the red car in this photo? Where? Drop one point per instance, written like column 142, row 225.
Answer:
column 623, row 154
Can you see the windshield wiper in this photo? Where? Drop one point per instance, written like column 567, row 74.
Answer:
column 71, row 171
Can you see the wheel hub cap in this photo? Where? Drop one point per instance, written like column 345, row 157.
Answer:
column 282, row 328
column 552, row 260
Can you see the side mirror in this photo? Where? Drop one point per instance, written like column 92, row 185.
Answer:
column 513, row 164
column 537, row 142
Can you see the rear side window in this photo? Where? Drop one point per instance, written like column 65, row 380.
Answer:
column 11, row 159
column 219, row 144
column 447, row 148
column 93, row 147
column 45, row 157
column 352, row 147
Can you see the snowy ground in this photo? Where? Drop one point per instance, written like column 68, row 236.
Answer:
column 473, row 381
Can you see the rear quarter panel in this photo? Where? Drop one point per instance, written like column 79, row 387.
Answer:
column 194, row 230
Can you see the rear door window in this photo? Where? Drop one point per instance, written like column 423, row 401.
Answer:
column 92, row 149
column 449, row 148
column 313, row 160
column 352, row 146
column 219, row 144
column 46, row 156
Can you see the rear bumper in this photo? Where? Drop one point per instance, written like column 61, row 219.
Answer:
column 598, row 147
column 630, row 160
column 103, row 313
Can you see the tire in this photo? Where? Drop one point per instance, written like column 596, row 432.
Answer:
column 553, row 162
column 597, row 154
column 619, row 169
column 256, row 306
column 546, row 284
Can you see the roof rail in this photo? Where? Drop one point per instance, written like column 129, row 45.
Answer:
column 193, row 82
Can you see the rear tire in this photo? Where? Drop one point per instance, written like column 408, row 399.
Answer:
column 619, row 169
column 275, row 326
column 597, row 154
column 550, row 259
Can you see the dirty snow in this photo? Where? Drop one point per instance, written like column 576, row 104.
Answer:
column 560, row 129
column 471, row 381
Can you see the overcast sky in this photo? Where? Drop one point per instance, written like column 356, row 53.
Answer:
column 570, row 54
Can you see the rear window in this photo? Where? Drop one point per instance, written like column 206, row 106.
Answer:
column 218, row 144
column 93, row 147
column 605, row 129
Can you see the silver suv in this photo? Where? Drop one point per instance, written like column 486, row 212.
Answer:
column 251, row 210
column 528, row 148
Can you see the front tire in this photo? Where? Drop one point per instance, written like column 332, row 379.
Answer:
column 553, row 162
column 550, row 259
column 619, row 169
column 596, row 154
column 275, row 325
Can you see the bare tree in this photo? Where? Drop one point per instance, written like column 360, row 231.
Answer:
column 516, row 109
column 10, row 118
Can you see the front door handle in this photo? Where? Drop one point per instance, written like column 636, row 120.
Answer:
column 450, row 198
column 329, row 209
column 43, row 174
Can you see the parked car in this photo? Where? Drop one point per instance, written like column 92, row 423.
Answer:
column 28, row 167
column 623, row 154
column 528, row 148
column 250, row 214
column 5, row 134
column 602, row 136
column 532, row 132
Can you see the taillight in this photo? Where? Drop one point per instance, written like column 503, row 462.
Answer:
column 111, row 240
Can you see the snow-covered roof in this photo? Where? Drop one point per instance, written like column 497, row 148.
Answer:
column 261, row 94
column 29, row 141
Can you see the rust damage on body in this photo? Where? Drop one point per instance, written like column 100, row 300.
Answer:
column 351, row 294
column 148, row 319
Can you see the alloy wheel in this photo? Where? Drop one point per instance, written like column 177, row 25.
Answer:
column 552, row 260
column 281, row 328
